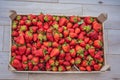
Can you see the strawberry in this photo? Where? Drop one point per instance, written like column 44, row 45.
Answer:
column 39, row 24
column 24, row 59
column 97, row 26
column 73, row 52
column 65, row 33
column 24, row 18
column 66, row 47
column 88, row 20
column 54, row 68
column 49, row 36
column 33, row 29
column 28, row 36
column 16, row 63
column 73, row 19
column 41, row 66
column 86, row 40
column 62, row 54
column 81, row 36
column 93, row 35
column 82, row 43
column 73, row 42
column 48, row 18
column 56, row 37
column 14, row 26
column 60, row 29
column 30, row 65
column 61, row 41
column 18, row 17
column 77, row 30
column 84, row 63
column 46, row 57
column 15, row 33
column 82, row 68
column 35, row 37
column 72, row 61
column 46, row 26
column 79, row 50
column 51, row 62
column 62, row 21
column 28, row 51
column 14, row 47
column 55, row 26
column 88, row 68
column 98, row 44
column 77, row 60
column 66, row 63
column 48, row 67
column 28, row 23
column 41, row 17
column 55, row 52
column 21, row 22
column 61, row 68
column 23, row 28
column 55, row 44
column 91, row 51
column 92, row 62
column 73, row 35
column 47, row 44
column 35, row 60
column 68, row 57
column 68, row 68
column 30, row 56
column 56, row 18
column 39, row 53
column 25, row 66
column 35, row 68
column 34, row 21
column 56, row 63
column 18, row 57
column 87, row 28
column 97, row 67
column 69, row 25
column 21, row 39
column 61, row 61
column 22, row 49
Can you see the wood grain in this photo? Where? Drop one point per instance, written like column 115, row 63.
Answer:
column 103, row 2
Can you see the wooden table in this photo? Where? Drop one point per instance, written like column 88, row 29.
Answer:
column 77, row 7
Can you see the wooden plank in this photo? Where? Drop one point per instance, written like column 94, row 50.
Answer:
column 5, row 73
column 1, row 37
column 6, row 41
column 46, row 1
column 103, row 2
column 113, row 20
column 114, row 41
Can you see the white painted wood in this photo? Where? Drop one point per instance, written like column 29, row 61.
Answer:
column 114, row 41
column 6, row 46
column 1, row 37
column 5, row 73
column 103, row 2
column 113, row 20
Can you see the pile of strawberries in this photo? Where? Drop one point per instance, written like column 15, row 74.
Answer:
column 56, row 43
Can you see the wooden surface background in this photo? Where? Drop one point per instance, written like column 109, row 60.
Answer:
column 74, row 7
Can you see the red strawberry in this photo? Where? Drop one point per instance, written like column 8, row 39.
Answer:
column 46, row 26
column 88, row 20
column 73, row 42
column 91, row 51
column 30, row 56
column 46, row 57
column 33, row 28
column 14, row 33
column 97, row 26
column 62, row 54
column 97, row 67
column 28, row 22
column 66, row 63
column 41, row 65
column 61, row 41
column 16, row 63
column 92, row 62
column 49, row 36
column 72, row 61
column 82, row 43
column 28, row 51
column 82, row 68
column 22, row 49
column 28, row 36
column 47, row 44
column 55, row 26
column 24, row 59
column 62, row 21
column 24, row 18
column 69, row 25
column 18, row 57
column 34, row 21
column 66, row 47
column 77, row 30
column 35, row 60
column 86, row 40
column 55, row 52
column 65, row 33
column 73, row 35
column 61, row 68
column 30, row 65
column 39, row 53
column 77, row 60
column 61, row 61
column 35, row 36
column 14, row 47
column 93, row 35
column 60, row 29
column 39, row 24
column 41, row 17
column 98, row 44
column 79, row 50
column 88, row 68
column 48, row 67
column 35, row 68
column 68, row 57
column 75, row 25
column 68, row 68
column 51, row 62
column 56, row 37
column 25, row 66
column 73, row 52
column 81, row 36
column 55, row 44
column 48, row 18
column 73, row 19
column 21, row 39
